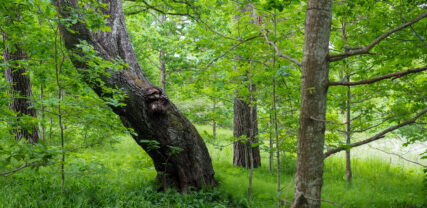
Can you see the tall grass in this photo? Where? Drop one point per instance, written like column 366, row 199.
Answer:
column 122, row 175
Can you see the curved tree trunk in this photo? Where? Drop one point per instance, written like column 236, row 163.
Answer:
column 180, row 157
column 20, row 88
column 242, row 126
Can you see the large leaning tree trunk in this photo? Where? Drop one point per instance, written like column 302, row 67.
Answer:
column 20, row 88
column 243, row 125
column 311, row 132
column 180, row 156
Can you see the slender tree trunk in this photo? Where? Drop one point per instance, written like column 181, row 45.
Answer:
column 214, row 110
column 58, row 71
column 162, row 62
column 311, row 132
column 348, row 135
column 147, row 110
column 20, row 88
column 276, row 134
column 43, row 125
column 271, row 154
column 252, row 132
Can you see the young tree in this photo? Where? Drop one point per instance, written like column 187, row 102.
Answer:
column 315, row 83
column 146, row 108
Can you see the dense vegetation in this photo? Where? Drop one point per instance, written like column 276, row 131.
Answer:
column 66, row 123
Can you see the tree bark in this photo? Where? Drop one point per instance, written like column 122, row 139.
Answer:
column 242, row 127
column 311, row 134
column 181, row 158
column 20, row 88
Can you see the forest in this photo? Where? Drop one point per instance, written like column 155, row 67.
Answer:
column 213, row 103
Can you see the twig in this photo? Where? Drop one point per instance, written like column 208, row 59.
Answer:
column 232, row 48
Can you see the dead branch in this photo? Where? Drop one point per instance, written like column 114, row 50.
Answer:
column 400, row 156
column 376, row 137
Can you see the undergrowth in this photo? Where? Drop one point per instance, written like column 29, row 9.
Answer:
column 122, row 175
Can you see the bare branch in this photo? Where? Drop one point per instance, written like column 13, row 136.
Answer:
column 365, row 49
column 376, row 137
column 388, row 76
column 278, row 52
column 400, row 156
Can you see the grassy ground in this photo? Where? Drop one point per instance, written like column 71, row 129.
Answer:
column 123, row 176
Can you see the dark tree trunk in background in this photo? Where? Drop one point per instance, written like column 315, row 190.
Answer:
column 242, row 126
column 311, row 132
column 147, row 111
column 20, row 88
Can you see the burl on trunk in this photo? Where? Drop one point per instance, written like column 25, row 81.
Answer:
column 181, row 158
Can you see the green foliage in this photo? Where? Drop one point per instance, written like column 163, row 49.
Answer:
column 207, row 59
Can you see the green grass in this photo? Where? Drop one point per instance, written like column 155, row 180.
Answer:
column 122, row 175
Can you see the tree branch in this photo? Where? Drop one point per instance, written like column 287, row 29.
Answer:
column 232, row 48
column 22, row 167
column 376, row 137
column 147, row 5
column 365, row 49
column 388, row 76
column 400, row 156
column 278, row 52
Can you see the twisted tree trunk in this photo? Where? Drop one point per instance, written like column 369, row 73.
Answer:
column 180, row 156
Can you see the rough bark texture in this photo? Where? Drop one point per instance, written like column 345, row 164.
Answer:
column 315, row 68
column 20, row 88
column 148, row 111
column 242, row 126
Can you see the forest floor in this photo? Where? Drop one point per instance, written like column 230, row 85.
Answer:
column 122, row 175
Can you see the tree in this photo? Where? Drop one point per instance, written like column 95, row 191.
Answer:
column 315, row 83
column 20, row 85
column 180, row 156
column 245, row 126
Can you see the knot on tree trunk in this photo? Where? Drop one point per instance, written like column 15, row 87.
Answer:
column 157, row 101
